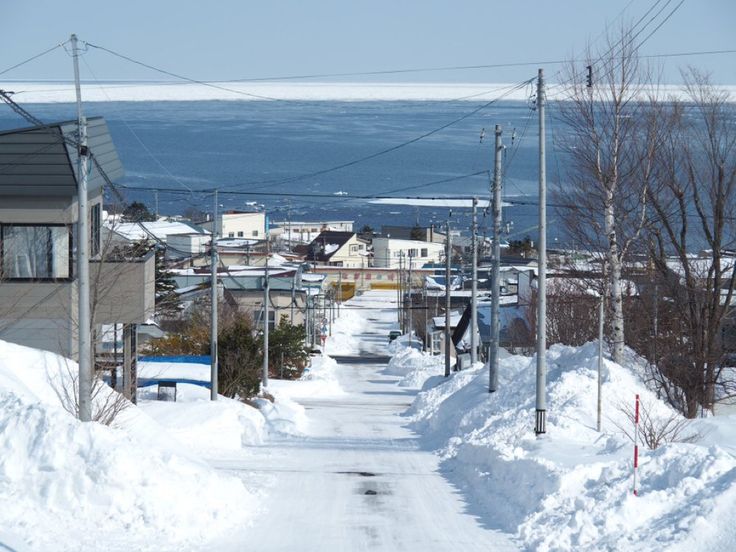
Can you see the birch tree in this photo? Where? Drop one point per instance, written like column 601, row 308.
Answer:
column 609, row 163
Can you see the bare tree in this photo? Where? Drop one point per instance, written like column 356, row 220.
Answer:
column 656, row 429
column 692, row 208
column 610, row 152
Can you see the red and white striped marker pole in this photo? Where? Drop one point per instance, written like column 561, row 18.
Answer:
column 636, row 444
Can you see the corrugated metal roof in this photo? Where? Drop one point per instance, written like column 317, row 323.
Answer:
column 38, row 161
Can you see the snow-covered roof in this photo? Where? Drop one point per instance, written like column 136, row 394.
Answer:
column 158, row 230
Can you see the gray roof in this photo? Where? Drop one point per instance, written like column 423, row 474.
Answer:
column 41, row 161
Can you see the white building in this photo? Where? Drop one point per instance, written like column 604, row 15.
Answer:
column 306, row 232
column 240, row 224
column 389, row 252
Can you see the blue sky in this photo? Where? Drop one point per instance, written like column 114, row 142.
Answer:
column 229, row 39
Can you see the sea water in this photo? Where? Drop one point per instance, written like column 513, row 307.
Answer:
column 271, row 148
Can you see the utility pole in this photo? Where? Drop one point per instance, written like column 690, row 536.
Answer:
column 448, row 259
column 398, row 293
column 339, row 292
column 84, row 318
column 540, row 425
column 155, row 201
column 408, row 301
column 496, row 267
column 474, row 288
column 601, row 321
column 264, row 383
column 213, row 300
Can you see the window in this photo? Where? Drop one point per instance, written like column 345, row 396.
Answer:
column 424, row 252
column 94, row 230
column 413, row 253
column 240, row 234
column 36, row 252
column 255, row 233
column 353, row 248
column 231, row 234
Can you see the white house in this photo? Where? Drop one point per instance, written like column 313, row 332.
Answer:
column 344, row 249
column 240, row 224
column 389, row 252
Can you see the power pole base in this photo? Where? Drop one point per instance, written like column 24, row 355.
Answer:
column 540, row 426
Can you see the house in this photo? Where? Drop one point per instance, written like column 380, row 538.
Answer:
column 334, row 248
column 306, row 232
column 393, row 253
column 38, row 228
column 240, row 224
column 420, row 233
column 298, row 296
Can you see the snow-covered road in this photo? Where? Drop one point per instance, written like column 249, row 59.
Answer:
column 358, row 479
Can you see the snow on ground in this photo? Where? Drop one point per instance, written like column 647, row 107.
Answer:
column 65, row 485
column 572, row 489
column 364, row 324
column 413, row 365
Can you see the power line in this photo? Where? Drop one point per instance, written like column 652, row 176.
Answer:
column 32, row 58
column 181, row 77
column 389, row 149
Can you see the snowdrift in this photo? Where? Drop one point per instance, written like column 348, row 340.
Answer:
column 571, row 490
column 413, row 365
column 57, row 473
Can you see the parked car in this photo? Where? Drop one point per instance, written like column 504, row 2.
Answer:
column 393, row 334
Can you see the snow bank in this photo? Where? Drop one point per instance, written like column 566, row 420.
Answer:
column 225, row 424
column 571, row 490
column 64, row 483
column 283, row 415
column 414, row 366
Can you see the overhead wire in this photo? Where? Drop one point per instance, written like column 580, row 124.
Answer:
column 33, row 58
column 385, row 151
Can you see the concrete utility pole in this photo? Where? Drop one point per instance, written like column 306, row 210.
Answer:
column 540, row 425
column 601, row 321
column 266, row 295
column 398, row 290
column 474, row 288
column 448, row 260
column 496, row 269
column 213, row 300
column 408, row 302
column 84, row 318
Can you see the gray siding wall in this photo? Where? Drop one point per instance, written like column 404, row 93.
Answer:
column 123, row 292
column 39, row 314
column 38, row 163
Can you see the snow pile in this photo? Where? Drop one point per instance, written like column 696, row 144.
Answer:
column 414, row 366
column 346, row 338
column 200, row 423
column 283, row 415
column 61, row 480
column 571, row 490
column 320, row 377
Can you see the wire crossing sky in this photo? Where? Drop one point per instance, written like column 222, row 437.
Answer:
column 236, row 40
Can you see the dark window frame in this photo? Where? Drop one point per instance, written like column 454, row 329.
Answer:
column 70, row 234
